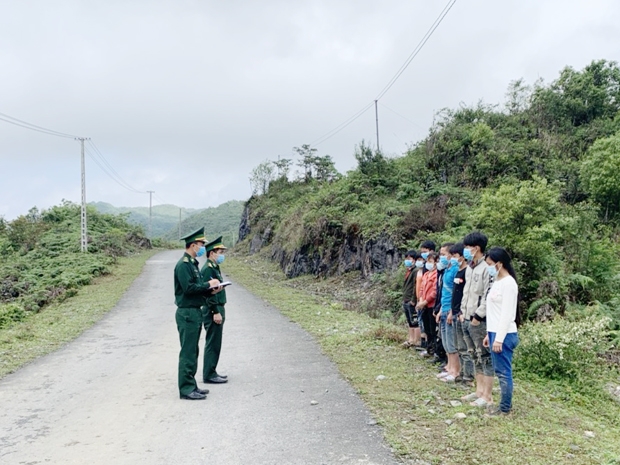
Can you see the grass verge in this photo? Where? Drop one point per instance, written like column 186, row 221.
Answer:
column 548, row 424
column 59, row 323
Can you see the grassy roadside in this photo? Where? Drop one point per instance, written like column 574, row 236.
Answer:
column 547, row 426
column 59, row 323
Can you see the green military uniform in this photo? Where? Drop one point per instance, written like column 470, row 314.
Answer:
column 215, row 304
column 190, row 295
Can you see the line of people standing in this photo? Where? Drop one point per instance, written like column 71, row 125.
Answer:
column 461, row 309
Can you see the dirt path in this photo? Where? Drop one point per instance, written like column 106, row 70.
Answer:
column 110, row 397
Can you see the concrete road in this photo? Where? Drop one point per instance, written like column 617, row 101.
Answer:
column 110, row 396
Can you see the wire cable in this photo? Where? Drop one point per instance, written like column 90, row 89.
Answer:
column 33, row 127
column 418, row 48
column 112, row 170
column 403, row 117
column 341, row 126
column 111, row 175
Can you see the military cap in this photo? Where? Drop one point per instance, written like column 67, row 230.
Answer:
column 196, row 236
column 216, row 244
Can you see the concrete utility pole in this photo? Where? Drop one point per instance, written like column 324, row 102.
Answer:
column 84, row 236
column 377, row 119
column 151, row 214
column 180, row 209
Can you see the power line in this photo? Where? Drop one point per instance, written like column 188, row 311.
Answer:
column 391, row 82
column 341, row 126
column 403, row 117
column 111, row 171
column 418, row 48
column 33, row 127
column 119, row 181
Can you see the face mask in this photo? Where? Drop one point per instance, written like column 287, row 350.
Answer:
column 492, row 271
column 201, row 251
column 454, row 261
column 419, row 264
column 424, row 255
column 408, row 263
column 441, row 266
column 220, row 259
column 443, row 261
column 429, row 266
column 468, row 255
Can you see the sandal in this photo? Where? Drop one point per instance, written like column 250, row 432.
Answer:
column 480, row 402
column 448, row 379
column 470, row 397
column 407, row 344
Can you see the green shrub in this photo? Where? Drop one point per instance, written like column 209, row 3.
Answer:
column 11, row 313
column 563, row 350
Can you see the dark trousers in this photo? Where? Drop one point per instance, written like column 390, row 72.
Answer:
column 213, row 342
column 189, row 324
column 430, row 329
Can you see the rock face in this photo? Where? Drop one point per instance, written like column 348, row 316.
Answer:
column 244, row 225
column 345, row 253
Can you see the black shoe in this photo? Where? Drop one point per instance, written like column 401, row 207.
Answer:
column 194, row 395
column 204, row 392
column 221, row 376
column 216, row 380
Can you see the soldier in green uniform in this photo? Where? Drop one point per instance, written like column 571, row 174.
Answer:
column 190, row 293
column 213, row 314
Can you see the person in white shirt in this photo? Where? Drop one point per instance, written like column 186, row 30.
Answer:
column 502, row 319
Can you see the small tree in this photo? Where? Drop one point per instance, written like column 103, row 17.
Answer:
column 261, row 176
column 600, row 173
column 325, row 169
column 283, row 165
column 307, row 160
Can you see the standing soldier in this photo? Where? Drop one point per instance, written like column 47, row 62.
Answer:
column 213, row 314
column 190, row 292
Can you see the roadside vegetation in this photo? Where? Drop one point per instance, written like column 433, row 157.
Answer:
column 42, row 273
column 554, row 421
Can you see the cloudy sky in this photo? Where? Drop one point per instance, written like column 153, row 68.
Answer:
column 185, row 97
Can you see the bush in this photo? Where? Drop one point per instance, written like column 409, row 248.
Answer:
column 564, row 350
column 11, row 313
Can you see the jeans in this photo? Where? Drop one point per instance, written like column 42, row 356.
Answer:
column 481, row 354
column 447, row 333
column 460, row 335
column 502, row 364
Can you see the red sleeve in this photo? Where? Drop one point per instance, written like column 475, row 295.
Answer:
column 432, row 290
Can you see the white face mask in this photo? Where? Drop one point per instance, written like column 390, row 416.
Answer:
column 430, row 266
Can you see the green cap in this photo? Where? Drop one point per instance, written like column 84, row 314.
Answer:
column 194, row 237
column 216, row 244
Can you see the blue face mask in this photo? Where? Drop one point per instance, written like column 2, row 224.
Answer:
column 441, row 266
column 201, row 251
column 429, row 266
column 424, row 255
column 408, row 263
column 443, row 260
column 419, row 264
column 454, row 261
column 492, row 271
column 468, row 255
column 220, row 259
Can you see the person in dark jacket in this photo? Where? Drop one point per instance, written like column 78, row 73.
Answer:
column 190, row 294
column 410, row 300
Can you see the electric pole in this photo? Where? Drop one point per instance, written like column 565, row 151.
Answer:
column 151, row 214
column 377, row 119
column 84, row 237
column 180, row 209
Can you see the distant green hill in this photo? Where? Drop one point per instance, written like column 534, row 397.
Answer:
column 218, row 221
column 165, row 217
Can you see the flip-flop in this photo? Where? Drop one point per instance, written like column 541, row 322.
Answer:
column 470, row 397
column 443, row 374
column 448, row 379
column 480, row 402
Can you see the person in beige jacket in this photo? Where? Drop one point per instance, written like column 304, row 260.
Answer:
column 474, row 311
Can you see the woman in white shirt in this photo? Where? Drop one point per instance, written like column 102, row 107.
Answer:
column 502, row 319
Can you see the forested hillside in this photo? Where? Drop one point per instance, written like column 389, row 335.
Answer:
column 222, row 220
column 164, row 217
column 40, row 258
column 539, row 174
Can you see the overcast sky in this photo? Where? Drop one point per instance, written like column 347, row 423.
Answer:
column 185, row 97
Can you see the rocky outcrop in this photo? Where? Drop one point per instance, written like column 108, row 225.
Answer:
column 345, row 253
column 244, row 225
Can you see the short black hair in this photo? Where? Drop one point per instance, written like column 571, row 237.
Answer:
column 412, row 254
column 447, row 245
column 434, row 256
column 457, row 248
column 476, row 238
column 430, row 245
